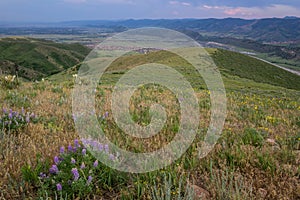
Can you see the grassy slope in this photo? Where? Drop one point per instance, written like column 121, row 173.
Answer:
column 246, row 67
column 38, row 58
column 239, row 72
column 243, row 165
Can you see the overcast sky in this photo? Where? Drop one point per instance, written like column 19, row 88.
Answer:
column 66, row 10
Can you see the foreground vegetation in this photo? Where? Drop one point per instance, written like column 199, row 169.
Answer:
column 257, row 156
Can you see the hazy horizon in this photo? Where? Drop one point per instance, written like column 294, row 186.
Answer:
column 48, row 11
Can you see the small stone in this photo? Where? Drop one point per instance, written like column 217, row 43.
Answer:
column 271, row 141
column 200, row 193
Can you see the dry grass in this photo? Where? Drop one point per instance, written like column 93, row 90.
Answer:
column 233, row 170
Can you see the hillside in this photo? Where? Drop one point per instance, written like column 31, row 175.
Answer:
column 257, row 151
column 237, row 70
column 41, row 58
column 38, row 58
column 256, row 154
column 250, row 68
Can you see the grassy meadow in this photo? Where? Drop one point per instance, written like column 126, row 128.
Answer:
column 257, row 156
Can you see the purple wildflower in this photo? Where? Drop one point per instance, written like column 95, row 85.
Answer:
column 27, row 118
column 100, row 147
column 62, row 150
column 90, row 178
column 76, row 143
column 111, row 157
column 4, row 110
column 23, row 112
column 10, row 115
column 84, row 142
column 70, row 148
column 82, row 166
column 73, row 161
column 56, row 160
column 32, row 115
column 75, row 174
column 106, row 148
column 83, row 152
column 105, row 115
column 53, row 169
column 96, row 163
column 58, row 187
column 42, row 175
column 94, row 144
column 15, row 113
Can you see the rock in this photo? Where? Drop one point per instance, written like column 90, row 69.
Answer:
column 200, row 193
column 271, row 141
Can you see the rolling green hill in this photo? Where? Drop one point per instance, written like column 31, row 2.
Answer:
column 250, row 68
column 238, row 70
column 38, row 58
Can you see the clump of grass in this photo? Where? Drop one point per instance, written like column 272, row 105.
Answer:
column 168, row 188
column 252, row 137
column 230, row 185
column 9, row 82
column 16, row 99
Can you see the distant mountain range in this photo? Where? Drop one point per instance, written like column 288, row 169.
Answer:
column 266, row 30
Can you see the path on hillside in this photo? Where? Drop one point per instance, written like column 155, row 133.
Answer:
column 284, row 68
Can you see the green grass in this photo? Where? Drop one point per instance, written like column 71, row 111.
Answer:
column 233, row 63
column 38, row 58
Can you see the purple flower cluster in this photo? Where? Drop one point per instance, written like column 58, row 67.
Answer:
column 75, row 174
column 58, row 187
column 80, row 165
column 73, row 161
column 99, row 147
column 12, row 120
column 90, row 178
column 53, row 169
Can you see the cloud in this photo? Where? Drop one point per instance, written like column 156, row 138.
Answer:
column 179, row 3
column 275, row 10
column 185, row 4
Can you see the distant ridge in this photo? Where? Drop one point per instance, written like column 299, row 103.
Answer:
column 267, row 29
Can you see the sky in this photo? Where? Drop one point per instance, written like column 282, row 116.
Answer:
column 68, row 10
